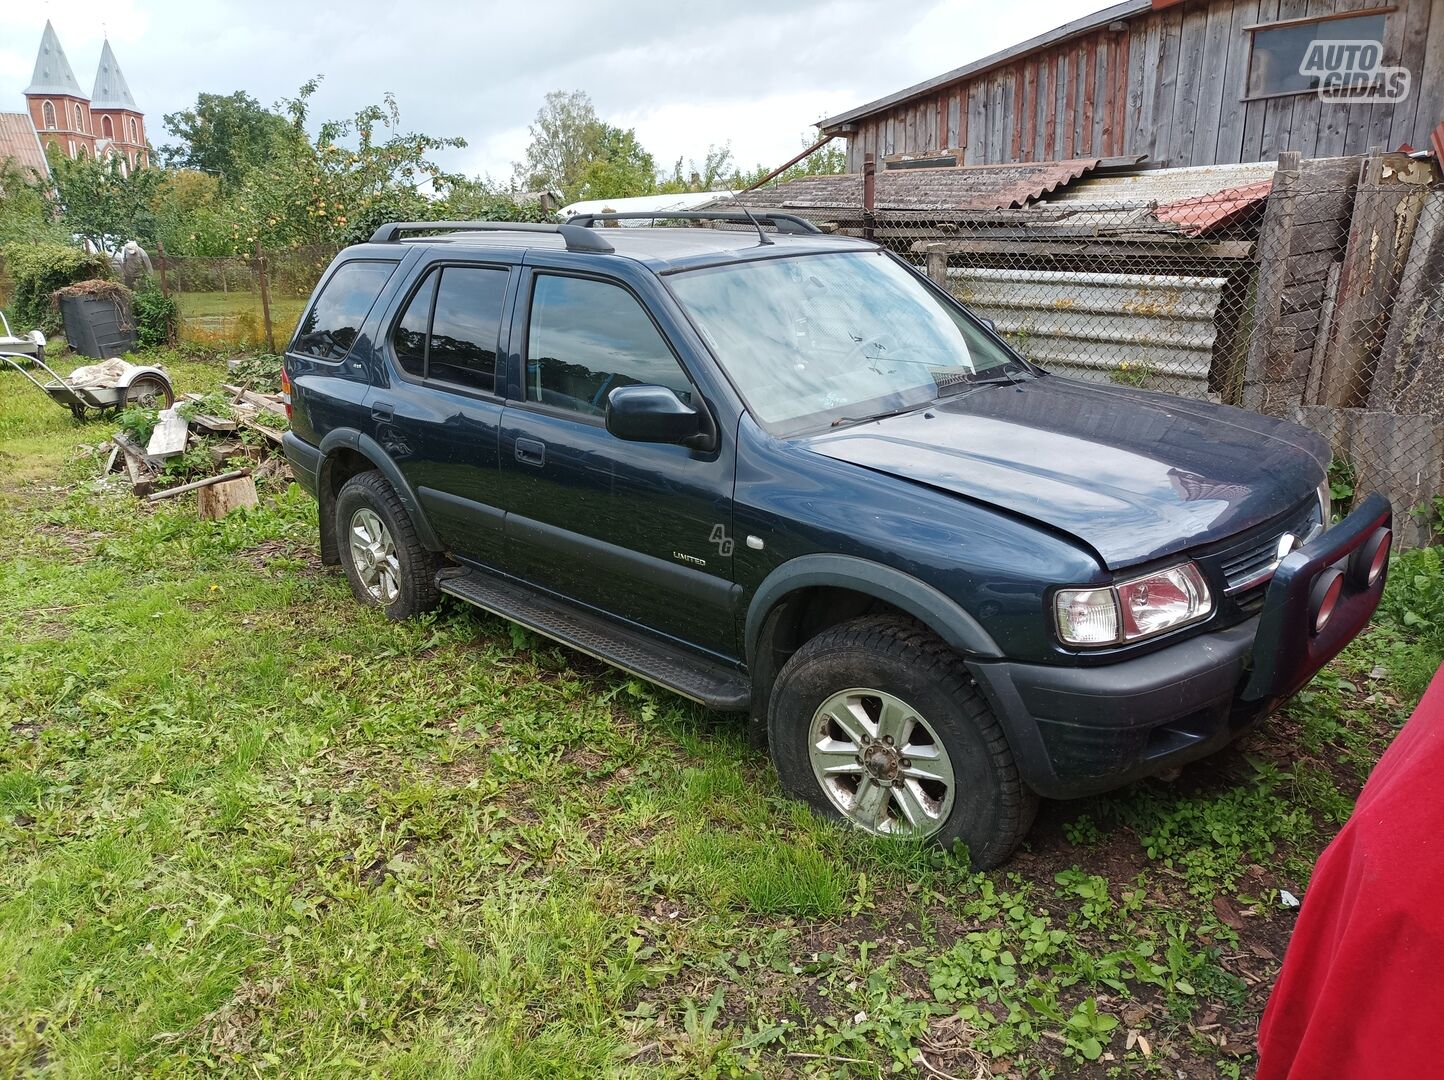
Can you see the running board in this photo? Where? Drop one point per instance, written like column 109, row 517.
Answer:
column 703, row 680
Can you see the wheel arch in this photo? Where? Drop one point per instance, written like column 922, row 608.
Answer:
column 807, row 594
column 345, row 452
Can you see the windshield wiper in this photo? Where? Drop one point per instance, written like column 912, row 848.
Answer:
column 876, row 416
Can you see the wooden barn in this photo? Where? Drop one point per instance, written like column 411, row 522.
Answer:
column 1197, row 82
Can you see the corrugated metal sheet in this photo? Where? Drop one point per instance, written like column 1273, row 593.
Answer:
column 988, row 187
column 19, row 143
column 1090, row 325
column 1163, row 185
column 1201, row 213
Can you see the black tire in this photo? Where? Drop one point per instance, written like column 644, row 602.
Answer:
column 992, row 809
column 149, row 391
column 415, row 574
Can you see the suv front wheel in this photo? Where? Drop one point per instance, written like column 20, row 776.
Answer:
column 878, row 723
column 387, row 565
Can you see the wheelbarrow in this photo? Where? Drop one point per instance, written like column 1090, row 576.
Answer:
column 145, row 386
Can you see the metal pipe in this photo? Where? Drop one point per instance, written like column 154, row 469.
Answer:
column 814, row 148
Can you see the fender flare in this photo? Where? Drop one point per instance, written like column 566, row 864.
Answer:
column 944, row 616
column 370, row 449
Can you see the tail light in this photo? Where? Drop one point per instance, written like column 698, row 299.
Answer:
column 286, row 390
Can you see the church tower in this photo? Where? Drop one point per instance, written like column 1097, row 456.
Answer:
column 59, row 109
column 119, row 125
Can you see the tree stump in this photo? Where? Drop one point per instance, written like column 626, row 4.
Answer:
column 218, row 500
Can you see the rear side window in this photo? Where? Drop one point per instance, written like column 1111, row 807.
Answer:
column 331, row 326
column 588, row 337
column 450, row 327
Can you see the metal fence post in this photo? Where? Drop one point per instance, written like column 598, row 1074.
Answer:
column 869, row 194
column 265, row 298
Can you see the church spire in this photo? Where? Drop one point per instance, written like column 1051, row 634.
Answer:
column 111, row 91
column 52, row 71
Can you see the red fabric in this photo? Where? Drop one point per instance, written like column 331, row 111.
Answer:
column 1358, row 993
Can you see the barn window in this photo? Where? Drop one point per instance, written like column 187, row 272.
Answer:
column 47, row 112
column 1300, row 56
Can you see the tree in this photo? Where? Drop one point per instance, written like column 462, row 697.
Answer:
column 620, row 167
column 717, row 171
column 104, row 203
column 27, row 212
column 564, row 141
column 225, row 135
column 356, row 172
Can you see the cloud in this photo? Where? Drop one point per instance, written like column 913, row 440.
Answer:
column 756, row 73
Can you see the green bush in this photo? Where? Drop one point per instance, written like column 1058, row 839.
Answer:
column 155, row 316
column 1414, row 597
column 37, row 270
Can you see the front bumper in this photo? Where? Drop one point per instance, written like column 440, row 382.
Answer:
column 1081, row 730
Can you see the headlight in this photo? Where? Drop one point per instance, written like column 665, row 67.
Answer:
column 1130, row 610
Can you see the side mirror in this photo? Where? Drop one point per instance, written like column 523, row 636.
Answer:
column 990, row 324
column 655, row 414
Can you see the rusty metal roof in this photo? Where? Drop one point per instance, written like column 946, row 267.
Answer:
column 975, row 187
column 1201, row 213
column 19, row 143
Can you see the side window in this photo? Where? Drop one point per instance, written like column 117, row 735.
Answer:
column 588, row 337
column 331, row 326
column 465, row 326
column 409, row 337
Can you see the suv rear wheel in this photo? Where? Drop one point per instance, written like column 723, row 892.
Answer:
column 387, row 566
column 878, row 723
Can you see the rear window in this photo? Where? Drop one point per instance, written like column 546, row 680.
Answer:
column 332, row 325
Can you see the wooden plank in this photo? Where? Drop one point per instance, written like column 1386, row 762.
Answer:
column 218, row 500
column 1120, row 94
column 1159, row 146
column 1316, row 357
column 1228, row 143
column 1186, row 89
column 1412, row 56
column 1134, row 83
column 1408, row 378
column 1045, row 101
column 1086, row 144
column 1063, row 139
column 1211, row 85
column 1263, row 370
column 1019, row 125
column 1430, row 84
column 168, row 439
column 977, row 127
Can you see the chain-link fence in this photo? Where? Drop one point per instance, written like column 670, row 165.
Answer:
column 1315, row 294
column 248, row 301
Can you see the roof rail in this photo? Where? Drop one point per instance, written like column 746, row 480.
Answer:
column 576, row 237
column 785, row 223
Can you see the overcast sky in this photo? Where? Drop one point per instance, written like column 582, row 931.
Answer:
column 755, row 73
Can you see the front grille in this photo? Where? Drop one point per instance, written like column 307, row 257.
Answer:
column 1248, row 568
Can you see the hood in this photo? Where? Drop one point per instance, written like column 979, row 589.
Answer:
column 1135, row 475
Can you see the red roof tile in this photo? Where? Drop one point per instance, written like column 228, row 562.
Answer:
column 19, row 143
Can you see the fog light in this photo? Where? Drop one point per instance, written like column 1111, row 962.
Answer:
column 1367, row 563
column 1324, row 596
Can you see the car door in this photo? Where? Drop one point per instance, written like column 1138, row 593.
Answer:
column 438, row 417
column 641, row 531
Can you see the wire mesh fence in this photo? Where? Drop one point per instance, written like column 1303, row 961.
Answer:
column 1315, row 296
column 229, row 300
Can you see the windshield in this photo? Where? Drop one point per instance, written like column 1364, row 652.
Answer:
column 818, row 339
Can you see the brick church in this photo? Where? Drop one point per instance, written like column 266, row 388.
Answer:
column 104, row 123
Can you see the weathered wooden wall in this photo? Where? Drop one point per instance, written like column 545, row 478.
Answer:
column 1169, row 85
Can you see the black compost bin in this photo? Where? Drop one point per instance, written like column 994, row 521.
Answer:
column 98, row 326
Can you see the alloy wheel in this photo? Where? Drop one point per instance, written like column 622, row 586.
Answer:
column 881, row 764
column 373, row 552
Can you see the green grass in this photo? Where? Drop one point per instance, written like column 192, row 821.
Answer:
column 251, row 828
column 236, row 316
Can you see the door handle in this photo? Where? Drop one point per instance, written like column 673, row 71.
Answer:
column 382, row 410
column 531, row 451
